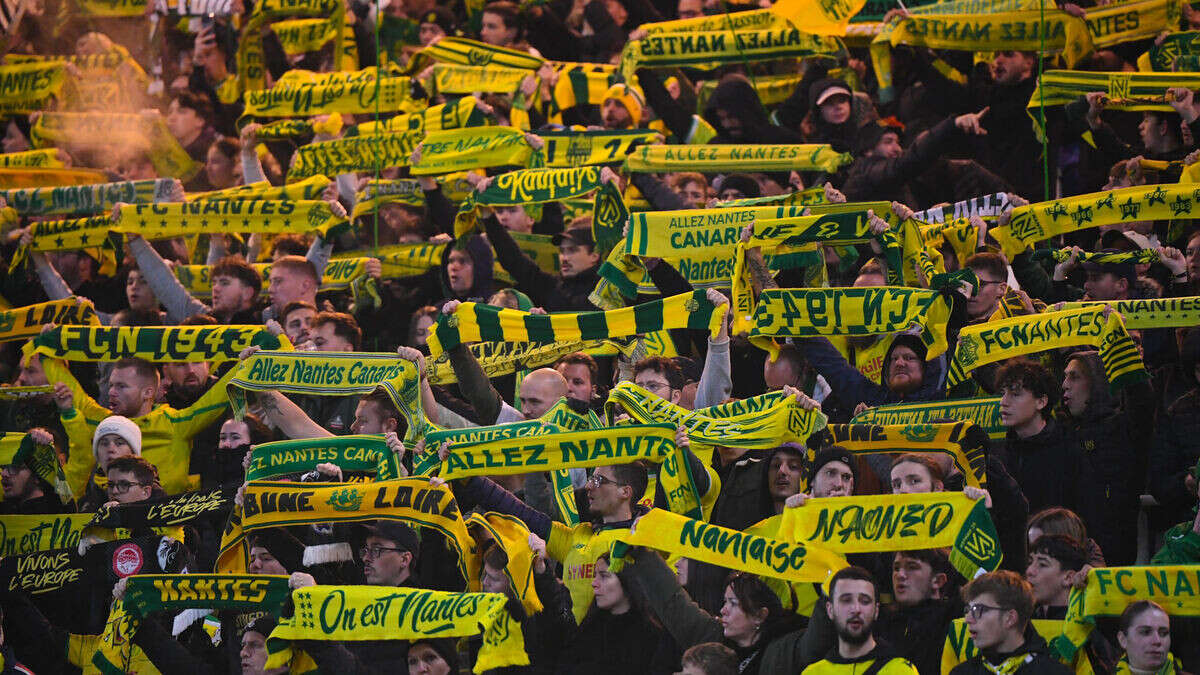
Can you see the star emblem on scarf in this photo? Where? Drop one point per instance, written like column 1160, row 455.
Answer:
column 1181, row 206
column 1130, row 209
column 1082, row 214
column 1056, row 210
column 1106, row 202
column 1158, row 195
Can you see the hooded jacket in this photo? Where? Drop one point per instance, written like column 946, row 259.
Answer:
column 1039, row 661
column 851, row 387
column 738, row 99
column 919, row 632
column 1110, row 438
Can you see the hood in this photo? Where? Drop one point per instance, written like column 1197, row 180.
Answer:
column 737, row 97
column 767, row 506
column 1100, row 400
column 482, row 261
column 933, row 371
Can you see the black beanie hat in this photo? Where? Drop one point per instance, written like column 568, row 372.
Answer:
column 284, row 547
column 742, row 183
column 445, row 647
column 833, row 453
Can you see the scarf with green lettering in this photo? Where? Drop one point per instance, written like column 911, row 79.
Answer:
column 819, row 16
column 25, row 322
column 299, row 36
column 569, row 148
column 350, row 155
column 369, row 454
column 1180, row 312
column 452, row 150
column 1162, row 56
column 106, row 131
column 277, row 504
column 46, row 158
column 504, row 358
column 38, row 533
column 1136, row 91
column 899, row 522
column 110, row 8
column 809, row 312
column 1037, row 222
column 457, row 114
column 389, row 613
column 30, row 83
column 710, row 49
column 158, row 221
column 285, row 130
column 150, row 593
column 732, row 549
column 251, row 60
column 474, row 322
column 86, row 199
column 983, row 412
column 156, row 344
column 994, row 341
column 21, row 450
column 1141, row 256
column 467, row 52
column 765, row 421
column 389, row 94
column 91, row 232
column 526, row 186
column 311, row 188
column 962, row 441
column 332, row 374
column 719, row 158
column 1109, row 590
column 666, row 234
column 809, row 197
column 454, row 79
column 377, row 193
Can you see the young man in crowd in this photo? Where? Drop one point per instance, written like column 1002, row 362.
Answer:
column 853, row 605
column 999, row 607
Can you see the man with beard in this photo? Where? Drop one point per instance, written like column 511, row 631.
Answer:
column 853, row 606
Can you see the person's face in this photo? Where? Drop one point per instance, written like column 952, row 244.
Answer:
column 287, row 286
column 869, row 279
column 1150, row 129
column 127, row 392
column 424, row 660
column 390, row 567
column 988, row 297
column 1147, row 641
column 606, row 588
column 262, row 562
column 904, row 370
column 912, row 478
column 430, row 32
column 16, row 480
column 689, row 9
column 493, row 580
column 234, row 434
column 836, row 109
column 186, row 375
column 369, row 419
column 461, row 272
column 297, row 324
column 422, row 329
column 615, row 115
column 325, row 340
column 1047, row 577
column 124, row 487
column 219, row 169
column 888, row 146
column 1009, row 67
column 991, row 626
column 230, row 295
column 14, row 140
column 779, row 374
column 656, row 383
column 693, row 193
column 737, row 625
column 494, row 32
column 728, row 194
column 110, row 447
column 853, row 610
column 254, row 652
column 605, row 495
column 617, row 11
column 913, row 581
column 731, row 124
column 183, row 123
column 579, row 381
column 1104, row 286
column 575, row 258
column 1193, row 259
column 1018, row 406
column 783, row 475
column 1076, row 388
column 514, row 218
column 138, row 293
column 32, row 374
column 833, row 480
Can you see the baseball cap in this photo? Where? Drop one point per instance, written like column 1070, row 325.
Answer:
column 396, row 532
column 826, row 89
column 1124, row 270
column 579, row 235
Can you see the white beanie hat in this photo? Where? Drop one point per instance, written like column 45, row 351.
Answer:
column 121, row 426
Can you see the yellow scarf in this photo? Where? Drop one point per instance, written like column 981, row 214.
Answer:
column 389, row 94
column 512, row 536
column 32, row 534
column 30, row 83
column 472, row 148
column 358, row 153
column 983, row 412
column 450, row 78
column 959, row 440
column 25, row 322
column 718, row 158
column 104, row 131
column 233, row 215
column 586, row 148
column 46, row 158
column 157, row 344
column 1151, row 313
column 311, row 188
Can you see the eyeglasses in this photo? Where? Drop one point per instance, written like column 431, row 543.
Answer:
column 598, row 481
column 978, row 609
column 120, row 487
column 654, row 387
column 376, row 551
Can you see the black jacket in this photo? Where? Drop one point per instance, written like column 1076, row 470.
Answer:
column 919, row 632
column 552, row 292
column 1046, row 468
column 1111, row 438
column 1173, row 455
column 626, row 643
column 736, row 97
column 880, row 178
column 1042, row 662
column 1010, row 511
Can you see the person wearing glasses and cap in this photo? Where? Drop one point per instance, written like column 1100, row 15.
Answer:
column 998, row 611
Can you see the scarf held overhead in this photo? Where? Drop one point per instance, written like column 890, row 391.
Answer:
column 157, row 344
